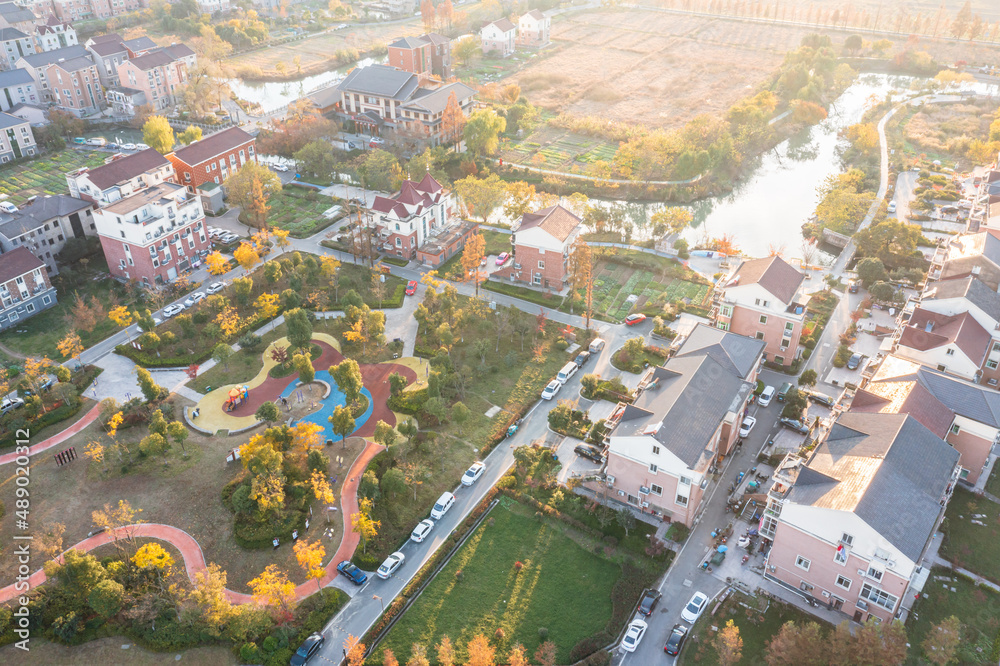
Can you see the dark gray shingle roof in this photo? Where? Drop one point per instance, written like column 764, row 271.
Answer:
column 971, row 288
column 15, row 77
column 7, row 120
column 737, row 352
column 380, row 80
column 49, row 57
column 43, row 210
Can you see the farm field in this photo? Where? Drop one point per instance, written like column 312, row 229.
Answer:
column 554, row 148
column 46, row 175
column 614, row 284
column 301, row 214
column 662, row 69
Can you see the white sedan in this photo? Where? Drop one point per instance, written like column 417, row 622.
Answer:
column 694, row 608
column 172, row 310
column 635, row 632
column 473, row 473
column 390, row 565
column 215, row 287
column 128, row 146
column 279, row 167
column 194, row 298
column 422, row 529
column 551, row 390
column 747, row 425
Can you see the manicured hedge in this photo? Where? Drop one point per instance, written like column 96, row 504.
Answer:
column 525, row 294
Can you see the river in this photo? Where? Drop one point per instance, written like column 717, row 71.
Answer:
column 273, row 95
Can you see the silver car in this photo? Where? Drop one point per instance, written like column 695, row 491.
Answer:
column 172, row 310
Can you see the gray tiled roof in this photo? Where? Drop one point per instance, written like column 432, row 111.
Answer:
column 43, row 210
column 685, row 403
column 426, row 100
column 380, row 80
column 140, row 44
column 49, row 57
column 7, row 120
column 888, row 469
column 13, row 13
column 969, row 400
column 7, row 34
column 15, row 77
column 971, row 288
column 736, row 352
column 76, row 64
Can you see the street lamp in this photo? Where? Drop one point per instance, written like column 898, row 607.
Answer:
column 381, row 603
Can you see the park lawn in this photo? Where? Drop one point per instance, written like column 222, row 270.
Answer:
column 971, row 546
column 46, row 175
column 300, row 211
column 977, row 607
column 561, row 587
column 40, row 334
column 243, row 365
column 993, row 483
column 183, row 492
column 108, row 650
column 757, row 627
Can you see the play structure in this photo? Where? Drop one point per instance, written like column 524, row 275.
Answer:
column 237, row 396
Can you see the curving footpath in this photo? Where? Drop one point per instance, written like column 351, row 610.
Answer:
column 58, row 438
column 194, row 558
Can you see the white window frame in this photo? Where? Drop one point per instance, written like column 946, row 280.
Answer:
column 803, row 562
column 841, row 585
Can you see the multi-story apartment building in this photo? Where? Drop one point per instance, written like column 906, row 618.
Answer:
column 153, row 235
column 17, row 87
column 542, row 242
column 761, row 299
column 851, row 523
column 965, row 415
column 76, row 10
column 25, row 289
column 44, row 225
column 108, row 52
column 213, row 6
column 120, row 178
column 14, row 45
column 404, row 221
column 533, row 28
column 43, row 10
column 955, row 344
column 54, row 34
column 213, row 159
column 157, row 74
column 16, row 138
column 14, row 15
column 499, row 37
column 38, row 64
column 662, row 448
column 76, row 86
column 427, row 56
column 382, row 100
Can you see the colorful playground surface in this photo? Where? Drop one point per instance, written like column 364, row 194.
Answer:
column 232, row 407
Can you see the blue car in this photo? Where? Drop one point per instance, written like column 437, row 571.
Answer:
column 357, row 576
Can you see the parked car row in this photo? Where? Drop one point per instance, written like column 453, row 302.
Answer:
column 637, row 628
column 222, row 235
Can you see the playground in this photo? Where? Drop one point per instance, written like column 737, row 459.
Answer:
column 231, row 407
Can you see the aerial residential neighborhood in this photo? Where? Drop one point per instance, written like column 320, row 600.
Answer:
column 458, row 332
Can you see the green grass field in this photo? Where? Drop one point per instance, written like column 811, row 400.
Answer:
column 561, row 587
column 615, row 283
column 978, row 608
column 972, row 546
column 559, row 149
column 292, row 209
column 46, row 175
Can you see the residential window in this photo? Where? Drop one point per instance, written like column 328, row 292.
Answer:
column 46, row 300
column 847, row 539
column 765, row 303
column 763, row 319
column 789, row 326
column 722, row 325
column 760, row 335
column 780, row 360
column 31, row 307
column 656, row 490
column 541, row 264
column 996, row 346
column 756, row 301
column 992, row 365
column 879, row 597
column 656, row 450
column 955, row 429
column 685, row 481
column 840, row 557
column 875, row 573
column 802, row 562
column 652, row 468
column 727, row 310
column 950, row 352
column 786, row 342
column 681, row 499
column 844, row 582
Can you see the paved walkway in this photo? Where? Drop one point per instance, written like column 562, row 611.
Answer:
column 194, row 558
column 940, row 561
column 58, row 438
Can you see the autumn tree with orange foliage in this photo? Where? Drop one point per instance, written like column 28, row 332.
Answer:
column 472, row 258
column 273, row 589
column 310, row 557
column 216, row 263
column 481, row 653
column 355, row 650
column 453, row 120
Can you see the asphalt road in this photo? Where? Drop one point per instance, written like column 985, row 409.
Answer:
column 906, row 181
column 685, row 576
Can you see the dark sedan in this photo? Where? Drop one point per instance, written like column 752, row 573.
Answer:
column 854, row 361
column 357, row 576
column 307, row 650
column 676, row 640
column 582, row 358
column 648, row 602
column 797, row 426
column 591, row 452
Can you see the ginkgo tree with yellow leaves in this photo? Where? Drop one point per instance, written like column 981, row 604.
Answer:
column 363, row 524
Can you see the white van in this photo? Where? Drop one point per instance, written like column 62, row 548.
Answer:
column 567, row 371
column 596, row 345
column 442, row 505
column 97, row 141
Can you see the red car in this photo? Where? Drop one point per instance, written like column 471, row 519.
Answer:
column 411, row 287
column 634, row 319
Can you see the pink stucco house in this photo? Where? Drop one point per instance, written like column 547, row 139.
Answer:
column 684, row 420
column 850, row 524
column 499, row 37
column 762, row 299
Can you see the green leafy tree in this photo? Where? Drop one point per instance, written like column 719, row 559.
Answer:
column 303, row 365
column 347, row 374
column 808, row 378
column 482, row 132
column 871, row 270
column 106, row 598
column 221, row 353
column 385, row 434
column 268, row 412
column 342, row 422
column 380, row 170
column 190, row 135
column 460, row 414
column 178, row 432
column 272, row 272
column 481, row 196
column 300, row 328
column 892, row 241
column 158, row 135
column 77, row 574
column 625, row 518
column 316, row 159
column 151, row 391
column 397, row 383
column 393, row 482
